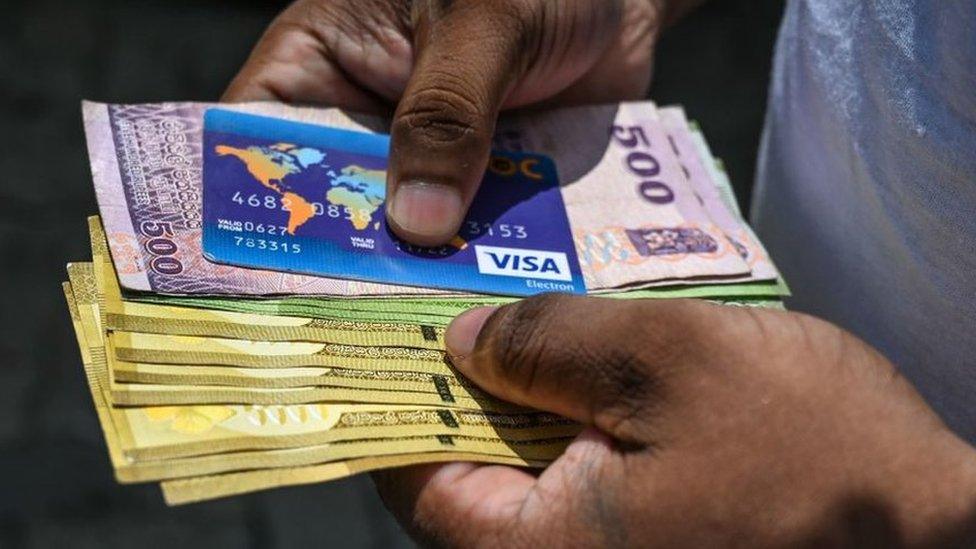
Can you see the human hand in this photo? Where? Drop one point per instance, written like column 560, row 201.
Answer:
column 449, row 67
column 706, row 425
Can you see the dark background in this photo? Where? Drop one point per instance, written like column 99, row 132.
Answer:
column 56, row 485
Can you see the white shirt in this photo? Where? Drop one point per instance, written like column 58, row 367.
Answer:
column 866, row 186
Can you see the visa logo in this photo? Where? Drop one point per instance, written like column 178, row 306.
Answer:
column 522, row 263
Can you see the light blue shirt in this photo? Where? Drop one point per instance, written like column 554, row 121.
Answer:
column 866, row 186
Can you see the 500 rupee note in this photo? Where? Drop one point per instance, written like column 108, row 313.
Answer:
column 694, row 162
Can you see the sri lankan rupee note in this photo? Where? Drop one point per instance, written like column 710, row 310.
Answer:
column 633, row 217
column 136, row 434
column 631, row 208
column 735, row 230
column 487, row 448
column 147, row 167
column 222, row 351
column 208, row 487
column 358, row 383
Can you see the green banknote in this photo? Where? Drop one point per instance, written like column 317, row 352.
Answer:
column 431, row 314
column 439, row 311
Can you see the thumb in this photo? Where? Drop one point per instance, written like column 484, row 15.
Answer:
column 469, row 55
column 603, row 362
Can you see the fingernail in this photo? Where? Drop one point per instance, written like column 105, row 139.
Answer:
column 462, row 332
column 427, row 210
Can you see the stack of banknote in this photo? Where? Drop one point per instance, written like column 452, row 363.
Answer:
column 218, row 380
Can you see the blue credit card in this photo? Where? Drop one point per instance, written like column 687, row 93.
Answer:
column 303, row 198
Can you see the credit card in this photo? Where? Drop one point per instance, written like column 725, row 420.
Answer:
column 289, row 196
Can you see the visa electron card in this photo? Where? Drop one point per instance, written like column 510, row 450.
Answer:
column 303, row 198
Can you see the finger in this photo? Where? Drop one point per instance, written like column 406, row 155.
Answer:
column 603, row 362
column 291, row 64
column 469, row 54
column 448, row 504
column 624, row 70
column 439, row 503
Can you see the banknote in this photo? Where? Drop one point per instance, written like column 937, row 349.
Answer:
column 219, row 317
column 276, row 378
column 137, row 434
column 720, row 178
column 119, row 314
column 164, row 319
column 534, row 450
column 524, row 451
column 143, row 394
column 645, row 228
column 666, row 225
column 441, row 386
column 203, row 488
column 217, row 351
column 716, row 169
column 693, row 161
column 327, row 309
column 438, row 311
column 489, row 449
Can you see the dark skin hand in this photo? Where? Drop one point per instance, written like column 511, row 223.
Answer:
column 448, row 68
column 706, row 425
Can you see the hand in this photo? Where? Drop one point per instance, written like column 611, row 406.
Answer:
column 451, row 65
column 707, row 425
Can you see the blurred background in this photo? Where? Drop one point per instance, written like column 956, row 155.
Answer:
column 56, row 485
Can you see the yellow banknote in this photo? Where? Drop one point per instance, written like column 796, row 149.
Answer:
column 399, row 431
column 443, row 388
column 217, row 351
column 336, row 385
column 266, row 378
column 140, row 394
column 446, row 387
column 527, row 451
column 145, row 433
column 196, row 489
